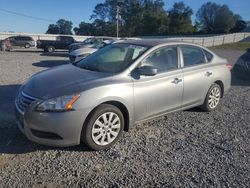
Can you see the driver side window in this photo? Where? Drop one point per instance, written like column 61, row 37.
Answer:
column 163, row 59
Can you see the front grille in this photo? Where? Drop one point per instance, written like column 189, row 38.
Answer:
column 72, row 58
column 23, row 101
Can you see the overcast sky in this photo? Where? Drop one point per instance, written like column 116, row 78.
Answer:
column 78, row 10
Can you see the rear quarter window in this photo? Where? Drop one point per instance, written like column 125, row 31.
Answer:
column 208, row 55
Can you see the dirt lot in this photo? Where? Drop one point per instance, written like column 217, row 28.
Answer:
column 183, row 149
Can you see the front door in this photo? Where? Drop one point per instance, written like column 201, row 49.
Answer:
column 154, row 95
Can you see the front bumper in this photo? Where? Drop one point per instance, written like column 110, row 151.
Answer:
column 53, row 129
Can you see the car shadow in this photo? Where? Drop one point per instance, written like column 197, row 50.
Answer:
column 26, row 50
column 50, row 63
column 12, row 141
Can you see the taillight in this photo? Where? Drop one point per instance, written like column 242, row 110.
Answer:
column 229, row 66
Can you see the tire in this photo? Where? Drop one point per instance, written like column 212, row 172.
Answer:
column 99, row 136
column 27, row 45
column 212, row 99
column 50, row 49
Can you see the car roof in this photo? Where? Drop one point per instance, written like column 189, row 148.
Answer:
column 153, row 42
column 20, row 36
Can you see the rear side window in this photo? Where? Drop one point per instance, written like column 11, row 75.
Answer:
column 24, row 38
column 27, row 38
column 68, row 39
column 208, row 55
column 192, row 56
column 17, row 38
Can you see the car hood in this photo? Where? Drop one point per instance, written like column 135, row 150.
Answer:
column 80, row 51
column 62, row 80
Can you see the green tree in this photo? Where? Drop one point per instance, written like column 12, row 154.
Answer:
column 53, row 29
column 138, row 17
column 180, row 19
column 143, row 18
column 61, row 27
column 85, row 29
column 240, row 24
column 215, row 18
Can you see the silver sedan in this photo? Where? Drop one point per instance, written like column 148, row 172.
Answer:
column 97, row 98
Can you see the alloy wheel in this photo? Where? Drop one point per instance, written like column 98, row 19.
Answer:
column 214, row 97
column 106, row 128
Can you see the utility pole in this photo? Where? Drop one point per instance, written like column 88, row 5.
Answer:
column 118, row 16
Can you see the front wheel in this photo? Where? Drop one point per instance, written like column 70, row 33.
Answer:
column 104, row 127
column 213, row 98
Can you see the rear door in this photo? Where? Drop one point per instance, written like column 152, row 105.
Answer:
column 154, row 95
column 22, row 41
column 197, row 75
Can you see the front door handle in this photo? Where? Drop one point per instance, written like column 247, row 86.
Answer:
column 209, row 73
column 176, row 81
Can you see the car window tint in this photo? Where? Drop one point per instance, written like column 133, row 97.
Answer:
column 208, row 55
column 26, row 38
column 114, row 55
column 112, row 58
column 164, row 59
column 192, row 55
column 11, row 38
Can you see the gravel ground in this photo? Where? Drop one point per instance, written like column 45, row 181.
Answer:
column 183, row 149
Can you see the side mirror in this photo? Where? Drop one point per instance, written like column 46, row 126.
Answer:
column 147, row 70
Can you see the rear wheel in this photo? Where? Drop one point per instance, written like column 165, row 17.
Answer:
column 104, row 127
column 50, row 49
column 213, row 98
column 27, row 45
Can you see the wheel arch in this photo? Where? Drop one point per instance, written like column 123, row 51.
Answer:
column 220, row 83
column 122, row 107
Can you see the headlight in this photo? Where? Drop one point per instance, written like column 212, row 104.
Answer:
column 63, row 103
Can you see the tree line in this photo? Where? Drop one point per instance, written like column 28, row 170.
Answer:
column 149, row 18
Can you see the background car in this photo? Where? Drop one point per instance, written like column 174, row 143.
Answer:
column 241, row 68
column 89, row 42
column 22, row 41
column 61, row 42
column 86, row 50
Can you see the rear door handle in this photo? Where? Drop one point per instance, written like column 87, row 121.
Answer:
column 176, row 81
column 209, row 73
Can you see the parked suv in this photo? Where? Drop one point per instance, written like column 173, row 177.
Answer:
column 124, row 83
column 22, row 41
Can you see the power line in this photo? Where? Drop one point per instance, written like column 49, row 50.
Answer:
column 27, row 16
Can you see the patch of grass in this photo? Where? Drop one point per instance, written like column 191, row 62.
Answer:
column 234, row 46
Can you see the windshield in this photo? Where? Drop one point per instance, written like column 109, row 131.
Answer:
column 113, row 58
column 87, row 41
